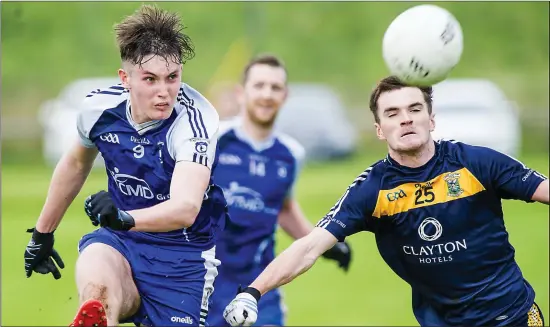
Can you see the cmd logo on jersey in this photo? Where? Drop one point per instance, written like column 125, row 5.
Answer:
column 131, row 185
column 245, row 198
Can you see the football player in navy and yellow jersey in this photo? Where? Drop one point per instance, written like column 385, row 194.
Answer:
column 257, row 168
column 152, row 261
column 435, row 210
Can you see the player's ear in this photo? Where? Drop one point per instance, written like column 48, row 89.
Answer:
column 379, row 132
column 124, row 78
column 432, row 122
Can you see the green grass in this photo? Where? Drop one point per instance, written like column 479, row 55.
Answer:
column 369, row 294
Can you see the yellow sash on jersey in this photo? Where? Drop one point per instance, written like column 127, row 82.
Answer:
column 446, row 187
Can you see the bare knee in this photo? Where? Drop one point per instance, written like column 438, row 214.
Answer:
column 103, row 274
column 95, row 291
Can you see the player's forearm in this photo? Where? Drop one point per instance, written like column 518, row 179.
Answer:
column 291, row 263
column 166, row 216
column 68, row 177
column 188, row 186
column 293, row 221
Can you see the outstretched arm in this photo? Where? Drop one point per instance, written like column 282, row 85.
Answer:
column 347, row 217
column 293, row 221
column 295, row 260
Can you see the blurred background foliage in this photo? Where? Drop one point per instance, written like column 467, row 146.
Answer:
column 46, row 45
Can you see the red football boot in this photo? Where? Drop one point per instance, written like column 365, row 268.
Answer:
column 90, row 314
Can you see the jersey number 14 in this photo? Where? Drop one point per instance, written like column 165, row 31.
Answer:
column 257, row 168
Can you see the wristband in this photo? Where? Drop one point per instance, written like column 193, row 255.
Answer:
column 254, row 292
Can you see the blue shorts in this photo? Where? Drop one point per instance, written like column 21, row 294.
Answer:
column 174, row 283
column 271, row 310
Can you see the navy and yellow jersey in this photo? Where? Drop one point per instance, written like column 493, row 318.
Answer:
column 440, row 228
column 256, row 177
column 140, row 158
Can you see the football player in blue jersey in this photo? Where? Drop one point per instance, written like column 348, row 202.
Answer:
column 435, row 210
column 257, row 168
column 152, row 261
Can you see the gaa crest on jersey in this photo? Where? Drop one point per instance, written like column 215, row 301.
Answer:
column 201, row 145
column 453, row 184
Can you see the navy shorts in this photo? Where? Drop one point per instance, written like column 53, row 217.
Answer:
column 271, row 309
column 174, row 283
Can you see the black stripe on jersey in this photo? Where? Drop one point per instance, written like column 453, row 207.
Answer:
column 190, row 105
column 197, row 125
column 199, row 159
column 191, row 123
column 203, row 160
column 200, row 118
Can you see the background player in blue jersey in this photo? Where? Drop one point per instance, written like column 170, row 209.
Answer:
column 152, row 261
column 257, row 168
column 435, row 209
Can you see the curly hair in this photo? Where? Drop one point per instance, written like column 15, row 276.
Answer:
column 153, row 31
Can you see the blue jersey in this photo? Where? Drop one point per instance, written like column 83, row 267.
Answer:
column 256, row 180
column 140, row 158
column 440, row 228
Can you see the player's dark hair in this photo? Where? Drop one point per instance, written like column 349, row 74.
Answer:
column 153, row 31
column 263, row 59
column 391, row 83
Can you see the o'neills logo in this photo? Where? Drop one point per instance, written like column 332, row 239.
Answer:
column 430, row 230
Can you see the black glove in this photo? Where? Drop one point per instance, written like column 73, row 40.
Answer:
column 103, row 212
column 39, row 254
column 340, row 252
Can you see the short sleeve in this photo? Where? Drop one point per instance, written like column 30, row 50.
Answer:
column 349, row 215
column 509, row 177
column 193, row 135
column 85, row 121
column 93, row 107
